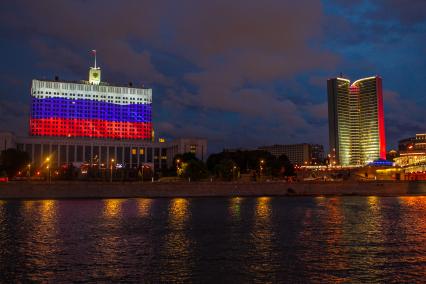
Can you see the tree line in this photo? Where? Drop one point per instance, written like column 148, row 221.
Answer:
column 225, row 166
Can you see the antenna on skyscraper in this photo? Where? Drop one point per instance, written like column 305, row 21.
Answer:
column 94, row 54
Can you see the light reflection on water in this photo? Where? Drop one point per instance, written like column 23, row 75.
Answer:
column 144, row 206
column 176, row 254
column 41, row 238
column 235, row 207
column 262, row 241
column 112, row 207
column 265, row 239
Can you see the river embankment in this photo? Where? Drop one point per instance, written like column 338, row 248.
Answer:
column 79, row 189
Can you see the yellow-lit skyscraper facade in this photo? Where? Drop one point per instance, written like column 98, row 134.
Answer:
column 356, row 121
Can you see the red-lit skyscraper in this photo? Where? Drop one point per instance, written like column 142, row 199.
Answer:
column 356, row 120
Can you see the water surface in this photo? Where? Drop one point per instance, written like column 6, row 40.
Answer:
column 266, row 239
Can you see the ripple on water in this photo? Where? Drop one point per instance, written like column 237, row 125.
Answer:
column 265, row 239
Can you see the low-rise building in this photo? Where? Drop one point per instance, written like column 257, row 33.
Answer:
column 126, row 153
column 299, row 154
column 412, row 154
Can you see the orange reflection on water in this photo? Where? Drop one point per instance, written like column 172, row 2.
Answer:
column 177, row 249
column 330, row 218
column 28, row 204
column 42, row 238
column 416, row 207
column 178, row 212
column 334, row 223
column 263, row 208
column 262, row 226
column 262, row 237
column 413, row 212
column 112, row 207
column 144, row 206
column 373, row 202
column 418, row 202
column 110, row 246
column 48, row 210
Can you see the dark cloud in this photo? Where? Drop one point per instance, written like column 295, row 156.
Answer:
column 407, row 13
column 403, row 118
column 14, row 117
column 240, row 73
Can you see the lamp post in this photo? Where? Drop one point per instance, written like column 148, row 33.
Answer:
column 29, row 171
column 48, row 168
column 111, row 164
column 177, row 167
column 261, row 166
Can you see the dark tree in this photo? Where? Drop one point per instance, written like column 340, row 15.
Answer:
column 195, row 170
column 226, row 169
column 288, row 167
column 259, row 161
column 13, row 160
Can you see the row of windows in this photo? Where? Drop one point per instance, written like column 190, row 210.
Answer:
column 88, row 87
column 42, row 94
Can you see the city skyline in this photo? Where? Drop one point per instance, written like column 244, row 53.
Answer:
column 260, row 83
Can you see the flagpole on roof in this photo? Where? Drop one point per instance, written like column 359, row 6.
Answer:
column 94, row 53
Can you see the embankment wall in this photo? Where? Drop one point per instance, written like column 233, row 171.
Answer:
column 62, row 190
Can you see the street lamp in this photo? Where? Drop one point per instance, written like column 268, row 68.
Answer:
column 48, row 168
column 177, row 166
column 111, row 164
column 261, row 166
column 29, row 171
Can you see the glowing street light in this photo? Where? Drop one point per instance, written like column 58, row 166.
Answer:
column 48, row 169
column 261, row 166
column 111, row 164
column 177, row 166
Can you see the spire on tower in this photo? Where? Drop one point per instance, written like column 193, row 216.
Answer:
column 94, row 54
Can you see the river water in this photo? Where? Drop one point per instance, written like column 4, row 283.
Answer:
column 215, row 240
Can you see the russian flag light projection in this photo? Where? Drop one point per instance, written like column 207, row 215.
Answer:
column 59, row 116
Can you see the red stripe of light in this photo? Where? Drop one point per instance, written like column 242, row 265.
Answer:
column 381, row 118
column 90, row 128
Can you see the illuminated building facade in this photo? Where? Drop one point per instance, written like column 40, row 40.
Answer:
column 412, row 153
column 90, row 109
column 92, row 122
column 356, row 120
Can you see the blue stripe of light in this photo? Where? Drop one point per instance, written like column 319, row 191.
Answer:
column 90, row 109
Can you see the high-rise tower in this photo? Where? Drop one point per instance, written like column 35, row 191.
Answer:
column 356, row 120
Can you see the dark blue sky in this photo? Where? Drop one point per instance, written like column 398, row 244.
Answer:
column 240, row 73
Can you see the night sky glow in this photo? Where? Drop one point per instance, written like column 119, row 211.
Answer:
column 240, row 73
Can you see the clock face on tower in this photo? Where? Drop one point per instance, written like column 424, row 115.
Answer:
column 95, row 74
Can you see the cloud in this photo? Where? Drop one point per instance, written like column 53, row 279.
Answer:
column 403, row 117
column 16, row 115
column 237, row 72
